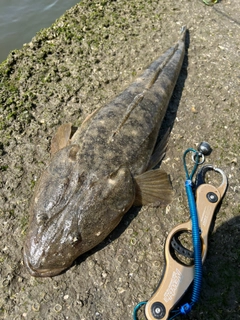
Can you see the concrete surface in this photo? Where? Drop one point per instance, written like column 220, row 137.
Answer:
column 88, row 56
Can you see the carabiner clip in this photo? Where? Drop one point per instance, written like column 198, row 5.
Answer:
column 208, row 198
column 200, row 179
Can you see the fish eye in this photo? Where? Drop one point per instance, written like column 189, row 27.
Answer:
column 73, row 152
column 75, row 238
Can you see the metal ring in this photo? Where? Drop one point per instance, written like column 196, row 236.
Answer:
column 200, row 156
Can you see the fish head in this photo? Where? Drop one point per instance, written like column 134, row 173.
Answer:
column 72, row 211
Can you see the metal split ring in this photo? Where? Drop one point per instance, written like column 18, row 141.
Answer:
column 200, row 155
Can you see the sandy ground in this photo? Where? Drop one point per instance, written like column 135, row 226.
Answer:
column 88, row 56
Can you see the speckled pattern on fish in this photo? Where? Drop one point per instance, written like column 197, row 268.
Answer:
column 99, row 172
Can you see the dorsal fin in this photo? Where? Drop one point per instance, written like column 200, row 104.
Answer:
column 159, row 151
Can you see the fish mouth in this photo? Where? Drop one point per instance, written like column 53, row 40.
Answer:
column 44, row 272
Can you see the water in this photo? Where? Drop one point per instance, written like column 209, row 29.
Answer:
column 20, row 20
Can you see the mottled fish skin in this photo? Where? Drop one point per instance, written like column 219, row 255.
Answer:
column 96, row 175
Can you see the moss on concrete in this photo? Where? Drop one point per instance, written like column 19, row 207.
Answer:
column 85, row 58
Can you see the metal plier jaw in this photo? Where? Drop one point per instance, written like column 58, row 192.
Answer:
column 178, row 276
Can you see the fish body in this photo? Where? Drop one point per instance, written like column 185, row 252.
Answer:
column 104, row 168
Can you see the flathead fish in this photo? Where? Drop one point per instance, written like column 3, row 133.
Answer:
column 104, row 168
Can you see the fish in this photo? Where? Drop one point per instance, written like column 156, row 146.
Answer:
column 97, row 173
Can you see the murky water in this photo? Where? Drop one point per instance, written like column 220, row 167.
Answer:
column 21, row 19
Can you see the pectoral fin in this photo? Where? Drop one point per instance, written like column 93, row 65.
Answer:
column 152, row 187
column 61, row 138
column 159, row 151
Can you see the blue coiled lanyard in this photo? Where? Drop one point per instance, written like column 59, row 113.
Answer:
column 187, row 307
column 197, row 251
